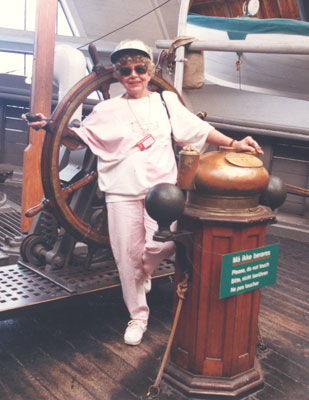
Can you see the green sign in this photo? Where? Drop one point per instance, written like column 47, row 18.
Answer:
column 248, row 270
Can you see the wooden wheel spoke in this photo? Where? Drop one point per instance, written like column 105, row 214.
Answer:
column 99, row 219
column 33, row 211
column 67, row 191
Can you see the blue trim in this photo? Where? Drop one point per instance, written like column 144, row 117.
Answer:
column 238, row 28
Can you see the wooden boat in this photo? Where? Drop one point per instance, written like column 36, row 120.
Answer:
column 279, row 74
column 249, row 82
column 250, row 88
column 260, row 68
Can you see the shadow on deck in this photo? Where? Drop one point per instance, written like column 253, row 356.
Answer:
column 75, row 351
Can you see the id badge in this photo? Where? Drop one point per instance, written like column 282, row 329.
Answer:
column 146, row 142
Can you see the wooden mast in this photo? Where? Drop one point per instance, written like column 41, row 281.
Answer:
column 41, row 100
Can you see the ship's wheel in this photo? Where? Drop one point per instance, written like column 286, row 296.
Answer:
column 56, row 196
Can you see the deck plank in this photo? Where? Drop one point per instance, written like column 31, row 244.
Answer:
column 76, row 351
column 17, row 383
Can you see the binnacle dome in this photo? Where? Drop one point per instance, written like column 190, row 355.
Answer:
column 225, row 181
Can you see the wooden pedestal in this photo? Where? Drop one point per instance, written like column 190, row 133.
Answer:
column 213, row 354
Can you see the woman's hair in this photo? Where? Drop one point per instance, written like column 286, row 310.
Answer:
column 130, row 57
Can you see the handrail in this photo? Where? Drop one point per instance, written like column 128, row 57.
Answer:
column 257, row 46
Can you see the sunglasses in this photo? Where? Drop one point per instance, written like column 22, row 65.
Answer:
column 139, row 69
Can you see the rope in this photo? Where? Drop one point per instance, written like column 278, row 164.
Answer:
column 182, row 287
column 238, row 68
column 260, row 341
column 125, row 25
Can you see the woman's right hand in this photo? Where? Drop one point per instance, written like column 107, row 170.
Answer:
column 35, row 121
column 69, row 138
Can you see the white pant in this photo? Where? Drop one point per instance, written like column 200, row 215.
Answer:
column 136, row 254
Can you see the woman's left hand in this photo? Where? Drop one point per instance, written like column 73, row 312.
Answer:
column 248, row 144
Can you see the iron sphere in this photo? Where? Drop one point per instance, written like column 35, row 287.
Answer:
column 275, row 194
column 165, row 203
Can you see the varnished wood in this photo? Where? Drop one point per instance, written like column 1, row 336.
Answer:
column 66, row 192
column 213, row 352
column 41, row 98
column 234, row 8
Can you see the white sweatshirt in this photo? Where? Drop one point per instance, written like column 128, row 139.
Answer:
column 118, row 129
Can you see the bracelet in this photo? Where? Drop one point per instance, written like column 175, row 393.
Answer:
column 232, row 142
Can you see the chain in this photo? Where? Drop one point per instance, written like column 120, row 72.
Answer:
column 238, row 68
column 182, row 287
column 144, row 131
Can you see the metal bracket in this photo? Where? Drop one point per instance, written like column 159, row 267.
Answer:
column 183, row 241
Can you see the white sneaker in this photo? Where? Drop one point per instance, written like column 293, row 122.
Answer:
column 134, row 332
column 147, row 284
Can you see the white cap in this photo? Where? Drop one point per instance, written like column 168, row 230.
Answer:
column 137, row 45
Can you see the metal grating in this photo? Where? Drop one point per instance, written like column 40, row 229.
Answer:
column 9, row 225
column 77, row 280
column 21, row 287
column 10, row 237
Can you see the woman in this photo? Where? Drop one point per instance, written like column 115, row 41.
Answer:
column 132, row 137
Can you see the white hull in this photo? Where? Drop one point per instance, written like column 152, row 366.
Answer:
column 268, row 96
column 284, row 75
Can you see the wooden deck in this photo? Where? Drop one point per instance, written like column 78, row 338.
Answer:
column 75, row 351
